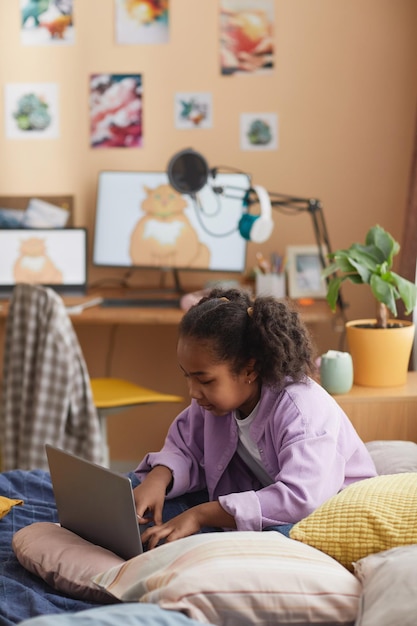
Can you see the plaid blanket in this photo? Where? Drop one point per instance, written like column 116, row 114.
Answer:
column 46, row 394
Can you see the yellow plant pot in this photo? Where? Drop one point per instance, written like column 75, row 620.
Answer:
column 380, row 355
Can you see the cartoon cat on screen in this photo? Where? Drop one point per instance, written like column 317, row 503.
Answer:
column 33, row 265
column 164, row 237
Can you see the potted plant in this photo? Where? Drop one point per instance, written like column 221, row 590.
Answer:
column 375, row 343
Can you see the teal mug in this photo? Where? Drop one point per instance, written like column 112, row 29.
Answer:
column 336, row 371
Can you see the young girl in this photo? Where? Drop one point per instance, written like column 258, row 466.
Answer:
column 266, row 442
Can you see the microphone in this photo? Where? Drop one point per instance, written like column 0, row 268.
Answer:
column 188, row 171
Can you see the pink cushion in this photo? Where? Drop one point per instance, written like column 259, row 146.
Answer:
column 64, row 560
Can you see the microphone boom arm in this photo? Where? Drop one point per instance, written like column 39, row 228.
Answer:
column 314, row 207
column 188, row 172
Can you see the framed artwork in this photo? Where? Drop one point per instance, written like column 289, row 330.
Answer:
column 247, row 43
column 193, row 110
column 47, row 23
column 304, row 270
column 31, row 110
column 259, row 131
column 116, row 111
column 142, row 21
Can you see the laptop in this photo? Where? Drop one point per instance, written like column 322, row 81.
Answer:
column 95, row 503
column 53, row 257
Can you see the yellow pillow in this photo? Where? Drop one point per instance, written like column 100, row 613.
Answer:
column 369, row 516
column 6, row 504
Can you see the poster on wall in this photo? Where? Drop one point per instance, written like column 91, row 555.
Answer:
column 246, row 36
column 193, row 110
column 46, row 22
column 142, row 21
column 259, row 131
column 31, row 111
column 116, row 111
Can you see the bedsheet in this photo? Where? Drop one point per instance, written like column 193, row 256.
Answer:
column 130, row 614
column 23, row 595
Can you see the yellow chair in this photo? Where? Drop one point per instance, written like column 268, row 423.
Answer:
column 113, row 395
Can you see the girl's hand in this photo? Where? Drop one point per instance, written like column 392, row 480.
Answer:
column 183, row 525
column 188, row 523
column 150, row 495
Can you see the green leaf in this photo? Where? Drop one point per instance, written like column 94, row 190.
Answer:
column 384, row 242
column 369, row 256
column 340, row 264
column 330, row 269
column 333, row 291
column 371, row 264
column 407, row 291
column 343, row 258
column 363, row 272
column 385, row 293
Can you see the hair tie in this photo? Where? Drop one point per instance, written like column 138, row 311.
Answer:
column 250, row 311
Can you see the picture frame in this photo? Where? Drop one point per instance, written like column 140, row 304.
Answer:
column 304, row 269
column 31, row 111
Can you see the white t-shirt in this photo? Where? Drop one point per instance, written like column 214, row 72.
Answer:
column 248, row 450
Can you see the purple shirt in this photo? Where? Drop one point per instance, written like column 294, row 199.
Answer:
column 306, row 442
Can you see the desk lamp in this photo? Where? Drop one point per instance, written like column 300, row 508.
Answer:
column 188, row 172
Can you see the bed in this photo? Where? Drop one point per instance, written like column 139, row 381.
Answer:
column 24, row 595
column 230, row 579
column 27, row 595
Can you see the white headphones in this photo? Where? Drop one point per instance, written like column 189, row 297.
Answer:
column 257, row 228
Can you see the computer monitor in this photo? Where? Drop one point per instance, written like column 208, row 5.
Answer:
column 143, row 222
column 53, row 257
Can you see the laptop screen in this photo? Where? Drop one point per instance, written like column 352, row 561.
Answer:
column 51, row 257
column 105, row 516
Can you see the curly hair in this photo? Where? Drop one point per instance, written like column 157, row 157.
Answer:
column 265, row 329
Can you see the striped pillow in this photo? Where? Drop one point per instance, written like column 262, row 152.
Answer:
column 237, row 578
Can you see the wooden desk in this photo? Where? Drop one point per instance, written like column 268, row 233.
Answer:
column 318, row 311
column 99, row 315
column 139, row 345
column 383, row 412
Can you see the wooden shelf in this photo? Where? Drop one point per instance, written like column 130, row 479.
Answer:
column 383, row 412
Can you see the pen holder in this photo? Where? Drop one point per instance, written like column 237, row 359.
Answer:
column 270, row 285
column 336, row 371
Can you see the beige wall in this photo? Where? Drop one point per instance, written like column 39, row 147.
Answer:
column 344, row 89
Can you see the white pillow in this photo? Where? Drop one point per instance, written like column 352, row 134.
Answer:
column 389, row 581
column 237, row 578
column 393, row 457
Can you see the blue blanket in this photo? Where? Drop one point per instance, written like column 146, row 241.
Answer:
column 23, row 595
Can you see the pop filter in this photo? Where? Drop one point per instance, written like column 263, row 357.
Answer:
column 188, row 171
